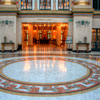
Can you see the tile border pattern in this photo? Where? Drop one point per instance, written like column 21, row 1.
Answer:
column 86, row 83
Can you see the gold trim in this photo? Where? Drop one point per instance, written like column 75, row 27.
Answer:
column 44, row 11
column 50, row 95
column 82, row 3
column 7, row 9
column 82, row 10
column 96, row 12
column 8, row 3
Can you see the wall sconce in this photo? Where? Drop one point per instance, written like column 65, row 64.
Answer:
column 82, row 22
column 6, row 22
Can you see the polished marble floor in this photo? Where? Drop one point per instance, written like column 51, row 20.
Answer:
column 49, row 74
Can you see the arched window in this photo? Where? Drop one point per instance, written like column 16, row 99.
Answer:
column 26, row 4
column 45, row 4
column 96, row 4
column 63, row 4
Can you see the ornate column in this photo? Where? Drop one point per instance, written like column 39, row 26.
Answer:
column 82, row 23
column 56, row 4
column 33, row 4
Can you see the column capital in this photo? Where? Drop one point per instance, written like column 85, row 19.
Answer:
column 81, row 2
column 8, row 2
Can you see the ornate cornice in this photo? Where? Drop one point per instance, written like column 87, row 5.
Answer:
column 48, row 12
column 96, row 12
column 82, row 10
column 40, row 12
column 8, row 9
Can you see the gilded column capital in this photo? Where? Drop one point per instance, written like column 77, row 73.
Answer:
column 8, row 2
column 81, row 2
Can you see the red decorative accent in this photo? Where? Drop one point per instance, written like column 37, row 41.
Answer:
column 90, row 81
column 72, row 2
column 16, row 2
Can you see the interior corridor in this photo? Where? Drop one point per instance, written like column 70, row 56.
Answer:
column 48, row 35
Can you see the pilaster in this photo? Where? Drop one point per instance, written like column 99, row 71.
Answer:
column 82, row 4
column 82, row 27
column 8, row 23
column 58, row 35
column 36, row 4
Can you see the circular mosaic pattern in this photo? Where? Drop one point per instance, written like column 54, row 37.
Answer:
column 89, row 81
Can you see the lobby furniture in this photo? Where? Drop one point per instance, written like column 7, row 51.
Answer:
column 44, row 41
column 8, row 44
column 54, row 42
column 82, row 44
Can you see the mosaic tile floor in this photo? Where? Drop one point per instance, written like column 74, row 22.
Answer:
column 51, row 75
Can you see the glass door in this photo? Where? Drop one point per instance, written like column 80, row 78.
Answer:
column 96, row 39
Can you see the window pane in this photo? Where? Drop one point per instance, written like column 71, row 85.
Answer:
column 99, row 4
column 63, row 4
column 45, row 4
column 96, row 4
column 26, row 4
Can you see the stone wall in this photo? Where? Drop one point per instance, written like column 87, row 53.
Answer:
column 8, row 30
column 80, row 31
column 96, row 22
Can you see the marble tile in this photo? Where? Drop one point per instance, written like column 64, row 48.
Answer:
column 50, row 71
column 44, row 71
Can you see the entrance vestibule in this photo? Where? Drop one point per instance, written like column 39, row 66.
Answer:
column 44, row 33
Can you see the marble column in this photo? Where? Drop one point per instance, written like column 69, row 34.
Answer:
column 54, row 4
column 58, row 35
column 30, row 35
column 36, row 4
